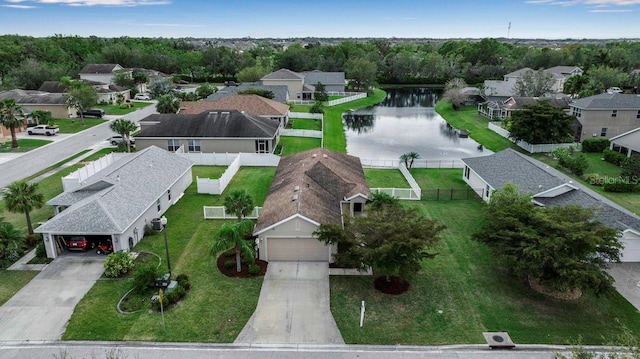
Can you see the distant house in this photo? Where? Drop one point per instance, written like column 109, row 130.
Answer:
column 471, row 96
column 606, row 115
column 627, row 143
column 310, row 188
column 56, row 103
column 210, row 131
column 499, row 108
column 280, row 92
column 506, row 87
column 253, row 104
column 301, row 86
column 332, row 81
column 106, row 92
column 508, row 166
column 118, row 201
column 101, row 73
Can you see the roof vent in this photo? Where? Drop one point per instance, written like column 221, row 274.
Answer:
column 498, row 340
column 314, row 155
column 294, row 197
column 325, row 156
column 296, row 188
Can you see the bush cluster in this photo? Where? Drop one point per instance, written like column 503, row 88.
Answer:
column 118, row 264
column 570, row 159
column 317, row 108
column 145, row 277
column 41, row 251
column 254, row 269
column 614, row 157
column 176, row 294
column 621, row 186
column 595, row 145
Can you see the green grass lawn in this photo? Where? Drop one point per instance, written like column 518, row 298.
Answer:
column 292, row 145
column 331, row 98
column 305, row 124
column 300, row 108
column 100, row 153
column 67, row 126
column 12, row 281
column 474, row 294
column 381, row 178
column 25, row 145
column 468, row 118
column 117, row 111
column 430, row 178
column 216, row 308
column 212, row 172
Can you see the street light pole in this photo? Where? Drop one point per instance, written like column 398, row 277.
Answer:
column 163, row 221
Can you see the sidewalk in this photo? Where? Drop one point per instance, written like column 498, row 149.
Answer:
column 23, row 263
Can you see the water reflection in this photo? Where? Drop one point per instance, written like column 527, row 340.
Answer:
column 405, row 121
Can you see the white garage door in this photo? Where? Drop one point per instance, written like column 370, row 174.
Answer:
column 296, row 249
column 631, row 251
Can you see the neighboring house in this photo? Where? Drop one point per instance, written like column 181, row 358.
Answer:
column 499, row 108
column 627, row 143
column 332, row 81
column 31, row 101
column 471, row 96
column 607, row 115
column 118, row 201
column 508, row 166
column 280, row 93
column 210, row 131
column 310, row 188
column 253, row 104
column 506, row 87
column 102, row 73
column 52, row 87
column 301, row 86
column 106, row 92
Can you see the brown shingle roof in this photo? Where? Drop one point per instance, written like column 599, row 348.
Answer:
column 253, row 104
column 323, row 178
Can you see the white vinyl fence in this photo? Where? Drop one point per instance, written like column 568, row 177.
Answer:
column 74, row 180
column 419, row 163
column 413, row 194
column 219, row 212
column 493, row 126
column 300, row 133
column 345, row 99
column 313, row 116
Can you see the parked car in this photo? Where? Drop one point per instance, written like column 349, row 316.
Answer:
column 142, row 96
column 97, row 113
column 117, row 139
column 43, row 130
column 614, row 90
column 79, row 244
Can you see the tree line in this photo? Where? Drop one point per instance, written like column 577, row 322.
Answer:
column 26, row 62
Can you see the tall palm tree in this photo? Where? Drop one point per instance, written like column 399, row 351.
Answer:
column 124, row 128
column 236, row 236
column 240, row 203
column 412, row 157
column 23, row 197
column 11, row 117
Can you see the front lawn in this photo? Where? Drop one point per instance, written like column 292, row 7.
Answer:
column 11, row 281
column 117, row 111
column 67, row 126
column 305, row 124
column 468, row 118
column 216, row 308
column 292, row 145
column 25, row 145
column 381, row 178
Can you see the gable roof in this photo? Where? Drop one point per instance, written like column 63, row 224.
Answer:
column 23, row 97
column 283, row 74
column 326, row 78
column 280, row 92
column 115, row 197
column 210, row 124
column 609, row 101
column 100, row 68
column 253, row 104
column 52, row 87
column 518, row 73
column 519, row 102
column 563, row 71
column 633, row 132
column 322, row 178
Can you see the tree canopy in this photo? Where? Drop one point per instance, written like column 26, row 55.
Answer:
column 23, row 197
column 542, row 123
column 534, row 84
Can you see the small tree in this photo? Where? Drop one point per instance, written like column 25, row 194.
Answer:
column 240, row 203
column 534, row 84
column 10, row 238
column 452, row 92
column 11, row 117
column 236, row 236
column 168, row 104
column 41, row 117
column 124, row 128
column 82, row 96
column 541, row 123
column 23, row 197
column 408, row 158
column 205, row 90
column 381, row 199
column 321, row 92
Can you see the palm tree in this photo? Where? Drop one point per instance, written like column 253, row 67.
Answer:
column 8, row 118
column 412, row 157
column 236, row 236
column 23, row 197
column 240, row 203
column 124, row 128
column 41, row 117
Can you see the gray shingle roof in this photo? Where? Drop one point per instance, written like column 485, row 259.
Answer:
column 280, row 92
column 562, row 71
column 326, row 78
column 609, row 101
column 210, row 124
column 34, row 97
column 118, row 194
column 518, row 73
column 52, row 86
column 283, row 74
column 98, row 68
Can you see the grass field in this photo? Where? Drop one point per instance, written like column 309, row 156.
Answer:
column 25, row 145
column 67, row 126
column 305, row 124
column 117, row 111
column 292, row 145
column 380, row 178
column 12, row 281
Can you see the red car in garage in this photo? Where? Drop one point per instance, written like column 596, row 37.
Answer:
column 79, row 244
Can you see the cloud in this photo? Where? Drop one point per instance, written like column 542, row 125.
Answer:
column 114, row 3
column 597, row 3
column 19, row 6
column 610, row 10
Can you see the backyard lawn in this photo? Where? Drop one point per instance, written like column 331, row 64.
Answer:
column 305, row 124
column 67, row 126
column 292, row 145
column 383, row 178
column 25, row 145
column 117, row 111
column 217, row 307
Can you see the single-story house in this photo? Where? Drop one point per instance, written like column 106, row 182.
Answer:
column 607, row 115
column 332, row 81
column 310, row 188
column 301, row 86
column 627, row 143
column 56, row 103
column 499, row 108
column 280, row 92
column 492, row 172
column 209, row 131
column 102, row 73
column 253, row 104
column 118, row 201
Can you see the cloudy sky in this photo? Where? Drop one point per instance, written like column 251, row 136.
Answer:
column 325, row 18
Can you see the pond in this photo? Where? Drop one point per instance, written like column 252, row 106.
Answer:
column 406, row 121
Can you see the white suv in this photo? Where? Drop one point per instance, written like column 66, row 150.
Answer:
column 117, row 139
column 614, row 90
column 141, row 96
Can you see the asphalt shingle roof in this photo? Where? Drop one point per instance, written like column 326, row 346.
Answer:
column 280, row 92
column 34, row 97
column 52, row 86
column 98, row 68
column 609, row 101
column 283, row 74
column 253, row 104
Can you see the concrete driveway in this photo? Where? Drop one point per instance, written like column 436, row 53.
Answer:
column 627, row 276
column 42, row 308
column 293, row 307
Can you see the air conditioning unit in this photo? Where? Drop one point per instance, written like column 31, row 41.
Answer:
column 498, row 340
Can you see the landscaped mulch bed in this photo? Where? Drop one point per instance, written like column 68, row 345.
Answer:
column 394, row 285
column 244, row 272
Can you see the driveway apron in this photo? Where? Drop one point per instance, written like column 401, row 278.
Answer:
column 293, row 307
column 42, row 308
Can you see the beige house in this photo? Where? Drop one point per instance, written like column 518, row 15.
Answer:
column 31, row 101
column 506, row 87
column 310, row 188
column 253, row 104
column 627, row 143
column 209, row 132
column 102, row 73
column 607, row 115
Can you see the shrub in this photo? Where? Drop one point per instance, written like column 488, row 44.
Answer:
column 254, row 269
column 570, row 159
column 41, row 251
column 118, row 264
column 316, row 108
column 594, row 179
column 229, row 264
column 614, row 157
column 145, row 277
column 183, row 280
column 230, row 253
column 595, row 145
column 621, row 186
column 149, row 231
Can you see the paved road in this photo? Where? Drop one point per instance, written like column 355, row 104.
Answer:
column 293, row 307
column 34, row 161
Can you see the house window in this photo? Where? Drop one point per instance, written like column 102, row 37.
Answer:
column 262, row 146
column 603, row 132
column 576, row 111
column 466, row 172
column 173, row 145
column 357, row 207
column 194, row 146
column 158, row 204
column 614, row 113
column 169, row 194
column 488, row 191
column 298, row 95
